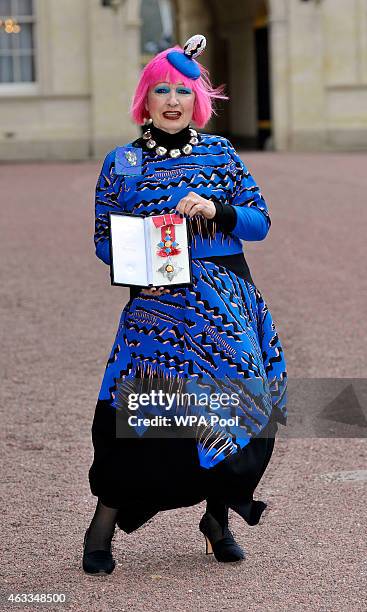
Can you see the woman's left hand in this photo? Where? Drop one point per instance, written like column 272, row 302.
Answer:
column 193, row 204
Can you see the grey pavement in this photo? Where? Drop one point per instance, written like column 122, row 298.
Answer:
column 59, row 315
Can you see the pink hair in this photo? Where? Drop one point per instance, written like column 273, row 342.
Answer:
column 159, row 69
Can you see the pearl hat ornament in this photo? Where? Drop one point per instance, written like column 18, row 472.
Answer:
column 195, row 45
column 184, row 60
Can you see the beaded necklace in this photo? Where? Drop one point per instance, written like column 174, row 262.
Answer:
column 176, row 145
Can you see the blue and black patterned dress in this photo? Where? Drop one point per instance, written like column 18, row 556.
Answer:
column 219, row 329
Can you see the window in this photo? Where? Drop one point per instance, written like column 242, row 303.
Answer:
column 16, row 41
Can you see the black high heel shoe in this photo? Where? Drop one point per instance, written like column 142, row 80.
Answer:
column 219, row 540
column 98, row 562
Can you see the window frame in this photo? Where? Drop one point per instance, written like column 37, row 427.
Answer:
column 24, row 88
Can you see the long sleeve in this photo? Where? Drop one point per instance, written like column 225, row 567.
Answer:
column 107, row 190
column 252, row 216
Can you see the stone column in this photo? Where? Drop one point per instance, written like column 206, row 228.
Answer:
column 307, row 74
column 114, row 69
column 279, row 72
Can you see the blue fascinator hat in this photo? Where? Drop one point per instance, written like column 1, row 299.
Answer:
column 184, row 61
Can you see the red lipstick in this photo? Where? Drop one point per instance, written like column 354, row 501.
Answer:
column 172, row 115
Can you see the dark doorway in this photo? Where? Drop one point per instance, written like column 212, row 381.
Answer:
column 262, row 83
column 221, row 63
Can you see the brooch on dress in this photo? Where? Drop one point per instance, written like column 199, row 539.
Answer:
column 128, row 160
column 131, row 157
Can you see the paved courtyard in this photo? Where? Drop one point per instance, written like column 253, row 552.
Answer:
column 59, row 315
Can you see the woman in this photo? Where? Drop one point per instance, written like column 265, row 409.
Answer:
column 218, row 330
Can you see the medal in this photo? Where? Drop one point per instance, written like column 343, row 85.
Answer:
column 168, row 270
column 168, row 246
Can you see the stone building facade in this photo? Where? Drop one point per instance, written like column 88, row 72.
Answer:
column 296, row 73
column 87, row 58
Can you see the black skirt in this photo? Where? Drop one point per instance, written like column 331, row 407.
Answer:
column 141, row 476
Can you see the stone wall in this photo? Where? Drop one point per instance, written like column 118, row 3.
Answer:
column 88, row 60
column 319, row 75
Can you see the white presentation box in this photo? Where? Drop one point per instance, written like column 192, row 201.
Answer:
column 149, row 251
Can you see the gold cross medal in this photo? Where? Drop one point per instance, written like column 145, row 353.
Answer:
column 168, row 246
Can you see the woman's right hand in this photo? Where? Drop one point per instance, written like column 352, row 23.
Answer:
column 154, row 291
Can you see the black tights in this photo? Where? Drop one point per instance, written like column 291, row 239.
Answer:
column 101, row 529
column 218, row 510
